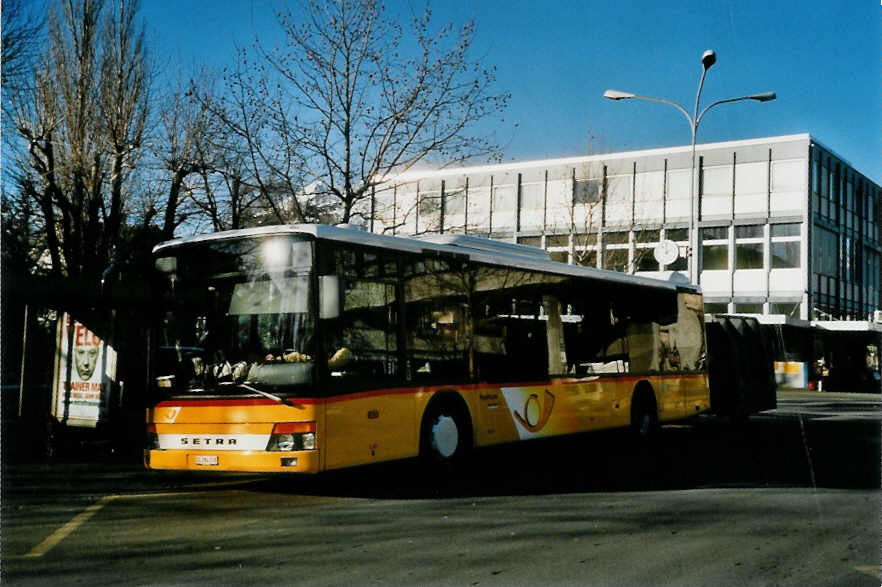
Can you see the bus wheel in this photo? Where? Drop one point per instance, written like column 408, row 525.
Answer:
column 446, row 435
column 644, row 416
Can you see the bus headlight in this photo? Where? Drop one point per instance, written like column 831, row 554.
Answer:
column 285, row 442
column 292, row 436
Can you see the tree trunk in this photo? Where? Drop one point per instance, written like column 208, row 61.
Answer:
column 114, row 218
column 171, row 208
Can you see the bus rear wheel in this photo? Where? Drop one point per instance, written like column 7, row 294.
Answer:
column 644, row 417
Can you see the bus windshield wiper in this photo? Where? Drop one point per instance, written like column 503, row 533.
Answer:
column 266, row 394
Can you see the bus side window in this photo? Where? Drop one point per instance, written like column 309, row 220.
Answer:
column 510, row 336
column 594, row 332
column 436, row 342
column 526, row 340
column 436, row 316
column 361, row 343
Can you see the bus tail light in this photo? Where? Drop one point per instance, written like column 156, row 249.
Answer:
column 152, row 440
column 291, row 436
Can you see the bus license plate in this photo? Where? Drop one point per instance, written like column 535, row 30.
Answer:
column 206, row 460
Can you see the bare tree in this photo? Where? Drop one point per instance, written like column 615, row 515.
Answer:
column 51, row 117
column 229, row 198
column 586, row 218
column 373, row 99
column 21, row 36
column 125, row 95
column 185, row 150
column 81, row 127
column 259, row 150
column 21, row 235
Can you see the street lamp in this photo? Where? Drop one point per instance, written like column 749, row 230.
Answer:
column 708, row 58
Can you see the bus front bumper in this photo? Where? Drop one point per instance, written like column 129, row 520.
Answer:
column 244, row 461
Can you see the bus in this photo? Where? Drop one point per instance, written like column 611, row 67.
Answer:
column 306, row 348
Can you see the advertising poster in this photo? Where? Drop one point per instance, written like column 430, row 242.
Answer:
column 85, row 368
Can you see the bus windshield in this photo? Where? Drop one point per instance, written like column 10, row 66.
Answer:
column 237, row 318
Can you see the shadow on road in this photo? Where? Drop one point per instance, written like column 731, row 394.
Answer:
column 766, row 451
column 707, row 453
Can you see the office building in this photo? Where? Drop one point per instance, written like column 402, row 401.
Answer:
column 787, row 229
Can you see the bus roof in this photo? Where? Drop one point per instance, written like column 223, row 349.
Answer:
column 479, row 249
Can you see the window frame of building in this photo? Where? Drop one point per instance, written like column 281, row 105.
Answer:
column 612, row 256
column 586, row 256
column 645, row 241
column 677, row 235
column 714, row 246
column 716, row 307
column 644, row 258
column 556, row 241
column 586, row 249
column 530, row 241
column 748, row 307
column 791, row 242
column 791, row 309
column 616, row 237
column 559, row 256
column 750, row 246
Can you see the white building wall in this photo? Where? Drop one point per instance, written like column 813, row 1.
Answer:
column 617, row 206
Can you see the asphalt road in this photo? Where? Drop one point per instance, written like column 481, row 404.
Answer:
column 789, row 498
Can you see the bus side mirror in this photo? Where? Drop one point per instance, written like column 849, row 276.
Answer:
column 329, row 296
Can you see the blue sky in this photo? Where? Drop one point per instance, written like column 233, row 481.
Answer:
column 822, row 58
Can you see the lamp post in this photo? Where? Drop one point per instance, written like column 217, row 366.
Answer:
column 708, row 58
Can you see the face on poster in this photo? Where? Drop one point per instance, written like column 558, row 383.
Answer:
column 85, row 367
column 86, row 352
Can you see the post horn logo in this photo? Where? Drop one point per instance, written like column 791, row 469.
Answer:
column 535, row 417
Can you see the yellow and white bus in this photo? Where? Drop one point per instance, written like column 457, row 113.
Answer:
column 306, row 348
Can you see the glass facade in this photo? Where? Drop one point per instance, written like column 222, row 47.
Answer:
column 845, row 270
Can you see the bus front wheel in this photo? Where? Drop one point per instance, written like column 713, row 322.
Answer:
column 446, row 435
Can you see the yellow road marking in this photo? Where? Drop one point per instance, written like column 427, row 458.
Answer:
column 53, row 539
column 872, row 570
